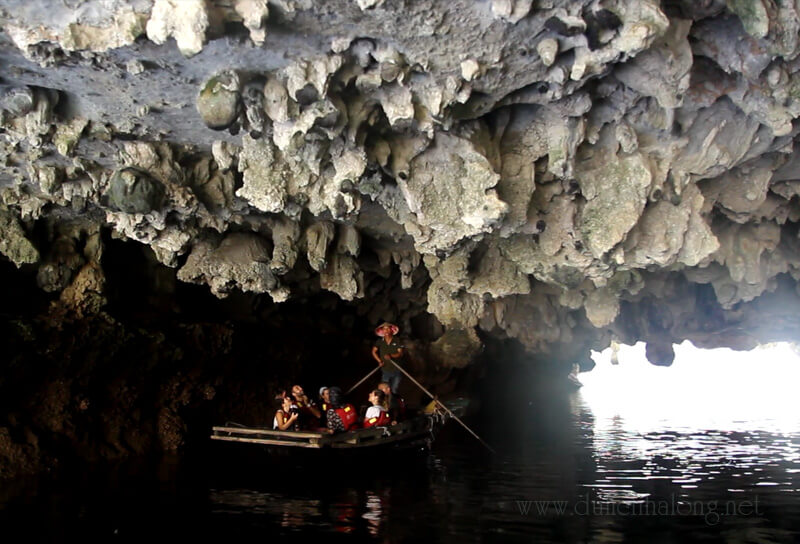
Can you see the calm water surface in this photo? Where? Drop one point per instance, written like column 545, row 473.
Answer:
column 561, row 474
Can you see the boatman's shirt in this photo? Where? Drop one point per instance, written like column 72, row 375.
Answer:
column 385, row 349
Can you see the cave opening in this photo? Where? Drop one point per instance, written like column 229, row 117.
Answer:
column 704, row 389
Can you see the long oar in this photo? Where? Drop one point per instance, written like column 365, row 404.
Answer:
column 374, row 370
column 445, row 407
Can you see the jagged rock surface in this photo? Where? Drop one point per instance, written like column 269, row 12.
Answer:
column 562, row 173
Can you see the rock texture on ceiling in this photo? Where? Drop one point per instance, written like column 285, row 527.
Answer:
column 564, row 173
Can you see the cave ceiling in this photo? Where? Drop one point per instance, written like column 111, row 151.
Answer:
column 561, row 173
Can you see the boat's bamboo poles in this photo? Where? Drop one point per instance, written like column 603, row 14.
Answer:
column 374, row 370
column 445, row 407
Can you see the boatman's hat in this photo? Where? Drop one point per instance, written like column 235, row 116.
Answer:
column 381, row 329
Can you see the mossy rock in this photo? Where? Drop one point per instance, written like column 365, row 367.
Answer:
column 133, row 191
column 218, row 102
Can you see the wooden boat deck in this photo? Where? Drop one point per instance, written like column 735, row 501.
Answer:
column 413, row 429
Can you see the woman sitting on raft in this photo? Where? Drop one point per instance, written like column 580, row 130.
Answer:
column 377, row 415
column 286, row 417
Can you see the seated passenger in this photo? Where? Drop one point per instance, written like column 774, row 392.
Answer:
column 324, row 404
column 377, row 415
column 309, row 413
column 324, row 398
column 394, row 404
column 341, row 417
column 286, row 417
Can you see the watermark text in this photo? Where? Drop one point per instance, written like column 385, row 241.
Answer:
column 712, row 511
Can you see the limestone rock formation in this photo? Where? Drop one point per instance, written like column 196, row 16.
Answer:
column 566, row 174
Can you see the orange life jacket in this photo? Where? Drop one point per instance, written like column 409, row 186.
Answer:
column 348, row 415
column 323, row 417
column 378, row 421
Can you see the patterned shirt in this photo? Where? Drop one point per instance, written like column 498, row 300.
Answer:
column 334, row 422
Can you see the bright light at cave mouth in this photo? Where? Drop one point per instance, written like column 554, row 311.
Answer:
column 703, row 389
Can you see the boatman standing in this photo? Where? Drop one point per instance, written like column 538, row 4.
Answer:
column 387, row 350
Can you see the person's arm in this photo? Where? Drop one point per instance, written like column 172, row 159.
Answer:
column 312, row 407
column 376, row 356
column 284, row 422
column 397, row 354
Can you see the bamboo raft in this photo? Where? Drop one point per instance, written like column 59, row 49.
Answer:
column 413, row 431
column 406, row 432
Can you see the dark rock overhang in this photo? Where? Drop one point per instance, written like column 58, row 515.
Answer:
column 564, row 174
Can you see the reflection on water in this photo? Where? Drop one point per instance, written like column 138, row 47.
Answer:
column 341, row 512
column 568, row 469
column 564, row 476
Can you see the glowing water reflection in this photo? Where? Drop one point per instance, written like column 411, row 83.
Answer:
column 713, row 416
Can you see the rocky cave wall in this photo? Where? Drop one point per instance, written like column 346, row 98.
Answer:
column 561, row 173
column 164, row 360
